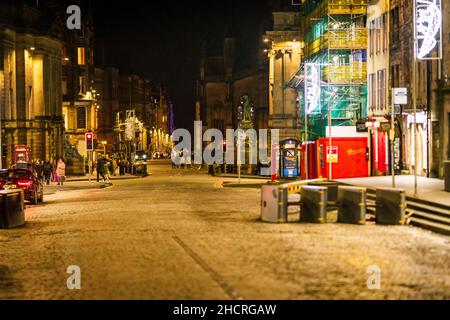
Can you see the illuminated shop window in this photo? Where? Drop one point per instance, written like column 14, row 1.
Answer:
column 81, row 56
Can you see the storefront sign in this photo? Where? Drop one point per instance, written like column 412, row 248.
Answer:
column 400, row 96
column 385, row 126
column 333, row 157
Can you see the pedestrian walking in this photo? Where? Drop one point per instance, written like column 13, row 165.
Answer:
column 121, row 166
column 61, row 170
column 188, row 159
column 100, row 167
column 47, row 171
column 114, row 166
column 39, row 168
column 106, row 168
column 55, row 172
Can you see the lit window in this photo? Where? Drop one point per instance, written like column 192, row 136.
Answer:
column 82, row 85
column 81, row 56
column 81, row 118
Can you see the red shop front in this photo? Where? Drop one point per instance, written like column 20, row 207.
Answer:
column 312, row 160
column 349, row 158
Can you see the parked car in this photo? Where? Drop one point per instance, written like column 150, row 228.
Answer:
column 28, row 181
column 3, row 178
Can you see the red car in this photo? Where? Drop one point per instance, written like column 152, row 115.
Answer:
column 27, row 180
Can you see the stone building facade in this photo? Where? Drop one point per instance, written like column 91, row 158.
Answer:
column 80, row 106
column 285, row 57
column 393, row 21
column 221, row 87
column 441, row 135
column 30, row 80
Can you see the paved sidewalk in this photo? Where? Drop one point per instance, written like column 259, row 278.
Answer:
column 428, row 189
column 243, row 176
column 94, row 178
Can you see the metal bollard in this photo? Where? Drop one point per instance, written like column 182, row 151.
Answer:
column 391, row 206
column 274, row 203
column 352, row 208
column 313, row 204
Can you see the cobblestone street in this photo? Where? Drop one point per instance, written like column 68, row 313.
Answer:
column 181, row 235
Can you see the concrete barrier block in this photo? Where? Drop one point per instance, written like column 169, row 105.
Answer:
column 313, row 204
column 352, row 205
column 391, row 206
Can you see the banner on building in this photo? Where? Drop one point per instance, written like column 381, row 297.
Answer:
column 428, row 29
column 312, row 87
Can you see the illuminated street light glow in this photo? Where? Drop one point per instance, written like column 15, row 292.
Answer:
column 428, row 26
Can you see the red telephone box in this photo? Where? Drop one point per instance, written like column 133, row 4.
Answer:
column 22, row 154
column 348, row 157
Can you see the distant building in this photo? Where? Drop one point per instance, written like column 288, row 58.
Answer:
column 441, row 134
column 221, row 87
column 106, row 85
column 30, row 80
column 79, row 97
column 390, row 65
column 285, row 45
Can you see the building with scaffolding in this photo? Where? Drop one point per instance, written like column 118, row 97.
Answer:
column 335, row 51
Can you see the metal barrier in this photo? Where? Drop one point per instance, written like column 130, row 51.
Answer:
column 274, row 199
column 319, row 195
column 12, row 209
column 332, row 189
column 352, row 205
column 313, row 204
column 390, row 206
column 295, row 187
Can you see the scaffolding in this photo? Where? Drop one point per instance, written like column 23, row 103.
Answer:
column 336, row 40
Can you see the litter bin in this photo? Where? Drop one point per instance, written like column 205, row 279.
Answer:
column 447, row 175
column 12, row 209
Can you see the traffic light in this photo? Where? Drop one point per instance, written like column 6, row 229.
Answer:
column 89, row 137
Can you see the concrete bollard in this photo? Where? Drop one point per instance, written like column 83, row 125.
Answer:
column 390, row 206
column 313, row 204
column 352, row 205
column 12, row 209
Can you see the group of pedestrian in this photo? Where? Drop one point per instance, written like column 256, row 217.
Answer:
column 106, row 167
column 50, row 172
column 185, row 159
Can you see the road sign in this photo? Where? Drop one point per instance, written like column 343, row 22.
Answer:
column 400, row 96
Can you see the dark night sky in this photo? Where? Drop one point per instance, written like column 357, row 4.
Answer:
column 162, row 39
